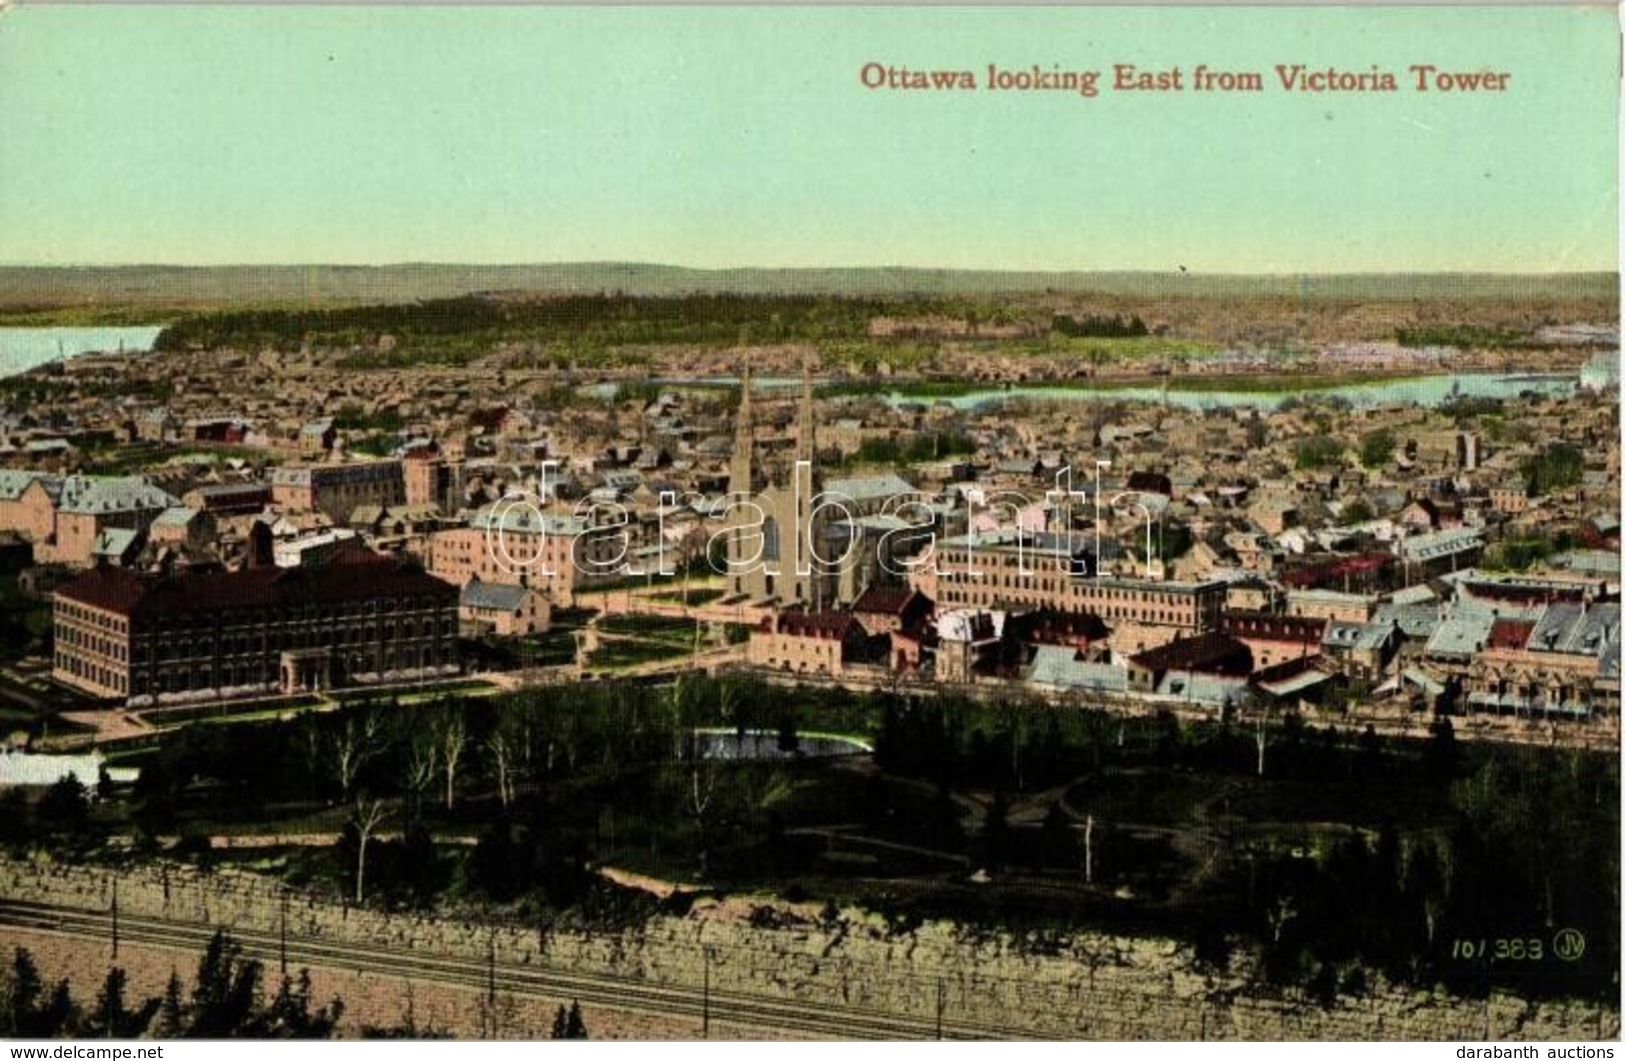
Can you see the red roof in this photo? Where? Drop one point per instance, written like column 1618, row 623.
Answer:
column 1510, row 633
column 887, row 600
column 1327, row 572
column 1263, row 626
column 1209, row 653
column 347, row 577
column 834, row 625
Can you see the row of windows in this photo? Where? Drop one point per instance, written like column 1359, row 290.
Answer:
column 71, row 609
column 75, row 637
column 275, row 640
column 91, row 673
column 203, row 676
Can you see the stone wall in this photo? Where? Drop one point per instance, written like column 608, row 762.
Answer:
column 1096, row 986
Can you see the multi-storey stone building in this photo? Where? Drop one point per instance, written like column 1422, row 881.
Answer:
column 517, row 545
column 359, row 618
column 336, row 489
column 1022, row 571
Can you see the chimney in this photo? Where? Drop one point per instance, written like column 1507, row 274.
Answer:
column 259, row 546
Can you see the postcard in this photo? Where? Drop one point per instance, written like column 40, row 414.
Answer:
column 731, row 523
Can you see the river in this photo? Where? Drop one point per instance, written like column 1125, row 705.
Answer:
column 24, row 348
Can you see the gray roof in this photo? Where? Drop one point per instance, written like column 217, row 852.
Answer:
column 521, row 518
column 13, row 483
column 179, row 516
column 1575, row 629
column 1415, row 621
column 1591, row 561
column 1058, row 666
column 1203, row 688
column 1440, row 543
column 1357, row 637
column 1419, row 594
column 100, row 494
column 114, row 541
column 869, row 487
column 1463, row 633
column 490, row 596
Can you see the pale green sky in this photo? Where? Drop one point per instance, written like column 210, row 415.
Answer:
column 729, row 136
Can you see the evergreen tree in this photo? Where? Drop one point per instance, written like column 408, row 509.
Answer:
column 226, row 993
column 574, row 1027
column 58, row 1014
column 290, row 1015
column 171, row 1012
column 24, row 991
column 112, row 1018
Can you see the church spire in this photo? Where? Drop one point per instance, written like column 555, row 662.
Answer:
column 744, row 473
column 806, row 431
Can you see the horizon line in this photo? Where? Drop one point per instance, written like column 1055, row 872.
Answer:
column 996, row 269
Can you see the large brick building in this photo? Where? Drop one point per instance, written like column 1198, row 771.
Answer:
column 1020, row 571
column 265, row 630
column 336, row 489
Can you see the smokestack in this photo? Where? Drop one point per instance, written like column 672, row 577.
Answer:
column 259, row 545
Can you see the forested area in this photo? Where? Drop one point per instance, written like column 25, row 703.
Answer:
column 1331, row 853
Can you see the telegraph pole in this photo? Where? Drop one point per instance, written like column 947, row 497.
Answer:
column 115, row 916
column 282, row 933
column 942, row 997
column 705, row 996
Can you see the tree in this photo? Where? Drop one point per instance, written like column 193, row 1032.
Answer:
column 171, row 1011
column 112, row 1019
column 226, row 992
column 421, row 767
column 789, row 739
column 290, row 1016
column 574, row 1026
column 65, row 808
column 1377, row 448
column 451, row 734
column 996, row 831
column 1261, row 725
column 23, row 991
column 702, row 789
column 1556, row 468
column 356, row 743
column 509, row 745
column 369, row 815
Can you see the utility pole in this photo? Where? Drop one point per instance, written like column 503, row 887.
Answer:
column 705, row 995
column 282, row 934
column 491, row 985
column 942, row 997
column 115, row 917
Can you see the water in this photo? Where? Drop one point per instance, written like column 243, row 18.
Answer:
column 1429, row 391
column 23, row 348
column 761, row 744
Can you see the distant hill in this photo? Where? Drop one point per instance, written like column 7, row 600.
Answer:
column 191, row 285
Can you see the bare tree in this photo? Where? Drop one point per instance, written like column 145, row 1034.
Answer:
column 1261, row 727
column 1282, row 911
column 509, row 745
column 451, row 734
column 422, row 765
column 702, row 790
column 357, row 743
column 1089, row 849
column 369, row 815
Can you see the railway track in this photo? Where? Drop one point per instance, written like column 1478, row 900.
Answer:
column 506, row 978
